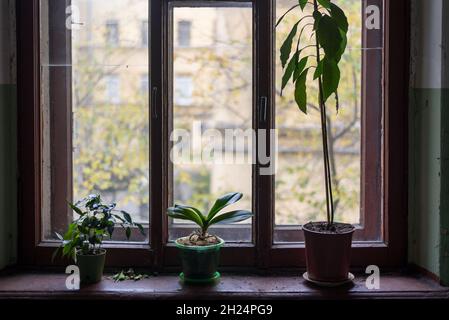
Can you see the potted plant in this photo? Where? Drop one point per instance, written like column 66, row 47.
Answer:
column 328, row 243
column 84, row 238
column 200, row 250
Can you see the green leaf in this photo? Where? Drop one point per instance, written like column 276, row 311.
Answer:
column 339, row 17
column 195, row 211
column 302, row 3
column 318, row 71
column 286, row 47
column 127, row 216
column 325, row 3
column 331, row 77
column 141, row 229
column 329, row 37
column 75, row 208
column 185, row 213
column 232, row 216
column 223, row 202
column 300, row 91
column 70, row 231
column 198, row 212
column 343, row 45
column 118, row 217
column 300, row 68
column 68, row 248
column 110, row 229
column 128, row 232
column 289, row 70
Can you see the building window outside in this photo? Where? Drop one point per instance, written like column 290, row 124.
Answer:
column 144, row 84
column 144, row 33
column 112, row 32
column 184, row 30
column 113, row 89
column 183, row 90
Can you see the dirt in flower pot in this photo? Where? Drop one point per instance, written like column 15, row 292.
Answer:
column 323, row 227
column 197, row 239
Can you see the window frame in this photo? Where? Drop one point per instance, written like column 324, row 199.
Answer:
column 263, row 254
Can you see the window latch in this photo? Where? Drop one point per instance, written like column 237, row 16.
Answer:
column 263, row 108
column 153, row 103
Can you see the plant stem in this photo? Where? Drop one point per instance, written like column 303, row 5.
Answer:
column 323, row 118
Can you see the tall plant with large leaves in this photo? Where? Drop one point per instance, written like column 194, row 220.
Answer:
column 328, row 26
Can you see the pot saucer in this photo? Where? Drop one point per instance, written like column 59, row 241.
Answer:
column 329, row 284
column 211, row 280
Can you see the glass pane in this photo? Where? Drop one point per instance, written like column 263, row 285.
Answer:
column 105, row 67
column 299, row 185
column 212, row 97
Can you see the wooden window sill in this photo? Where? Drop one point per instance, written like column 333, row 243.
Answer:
column 18, row 285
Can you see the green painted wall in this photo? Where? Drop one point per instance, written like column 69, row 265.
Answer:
column 424, row 191
column 429, row 138
column 8, row 188
column 444, row 205
column 8, row 158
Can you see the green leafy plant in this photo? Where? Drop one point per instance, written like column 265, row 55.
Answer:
column 205, row 221
column 96, row 221
column 328, row 27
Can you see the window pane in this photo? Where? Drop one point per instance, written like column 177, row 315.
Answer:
column 212, row 92
column 102, row 71
column 300, row 195
column 184, row 33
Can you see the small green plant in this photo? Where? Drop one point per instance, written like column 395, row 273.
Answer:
column 205, row 221
column 97, row 220
column 328, row 27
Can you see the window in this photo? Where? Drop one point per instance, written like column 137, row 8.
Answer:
column 184, row 27
column 103, row 107
column 183, row 90
column 112, row 32
column 144, row 33
column 223, row 100
column 144, row 84
column 78, row 141
column 299, row 179
column 112, row 89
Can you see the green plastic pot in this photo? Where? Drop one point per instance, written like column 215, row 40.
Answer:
column 199, row 263
column 91, row 266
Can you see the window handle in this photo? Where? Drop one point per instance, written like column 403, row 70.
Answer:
column 263, row 108
column 153, row 103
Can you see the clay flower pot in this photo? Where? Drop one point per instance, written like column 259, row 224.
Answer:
column 328, row 254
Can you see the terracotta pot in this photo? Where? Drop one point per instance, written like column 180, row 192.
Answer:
column 328, row 255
